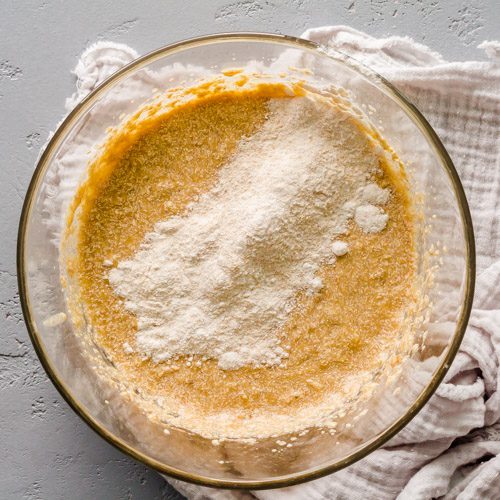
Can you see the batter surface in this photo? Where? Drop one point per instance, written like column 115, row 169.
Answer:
column 345, row 327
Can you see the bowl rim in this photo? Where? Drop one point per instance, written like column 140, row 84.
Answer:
column 374, row 443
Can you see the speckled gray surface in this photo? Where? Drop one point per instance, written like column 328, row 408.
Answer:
column 47, row 451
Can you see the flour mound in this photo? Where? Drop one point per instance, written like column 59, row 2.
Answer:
column 220, row 281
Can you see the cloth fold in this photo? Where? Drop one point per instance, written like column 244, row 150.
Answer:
column 451, row 449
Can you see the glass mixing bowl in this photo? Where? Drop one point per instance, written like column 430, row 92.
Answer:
column 445, row 245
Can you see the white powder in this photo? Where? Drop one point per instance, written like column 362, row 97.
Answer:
column 340, row 248
column 370, row 218
column 220, row 281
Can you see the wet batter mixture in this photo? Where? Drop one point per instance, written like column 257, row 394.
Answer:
column 343, row 321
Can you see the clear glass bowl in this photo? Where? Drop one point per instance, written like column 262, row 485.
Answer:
column 444, row 224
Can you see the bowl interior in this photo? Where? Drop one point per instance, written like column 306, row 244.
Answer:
column 445, row 268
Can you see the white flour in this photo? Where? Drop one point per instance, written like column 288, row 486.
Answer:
column 220, row 281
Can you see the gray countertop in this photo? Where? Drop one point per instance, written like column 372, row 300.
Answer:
column 47, row 451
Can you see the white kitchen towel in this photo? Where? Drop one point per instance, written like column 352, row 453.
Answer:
column 452, row 448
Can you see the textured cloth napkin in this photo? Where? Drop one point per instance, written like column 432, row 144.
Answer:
column 452, row 448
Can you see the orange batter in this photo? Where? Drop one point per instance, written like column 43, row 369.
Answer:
column 154, row 174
